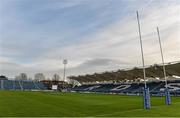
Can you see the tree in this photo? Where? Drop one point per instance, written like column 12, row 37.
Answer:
column 22, row 76
column 39, row 77
column 56, row 77
column 30, row 79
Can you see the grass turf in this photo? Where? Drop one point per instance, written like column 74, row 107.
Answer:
column 47, row 104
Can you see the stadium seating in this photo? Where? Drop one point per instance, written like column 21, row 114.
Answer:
column 18, row 85
column 156, row 87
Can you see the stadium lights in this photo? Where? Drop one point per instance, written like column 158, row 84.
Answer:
column 146, row 95
column 167, row 93
column 64, row 74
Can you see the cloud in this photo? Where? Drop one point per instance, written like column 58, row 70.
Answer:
column 122, row 37
column 93, row 37
column 98, row 64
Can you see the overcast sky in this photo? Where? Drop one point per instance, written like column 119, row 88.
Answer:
column 94, row 35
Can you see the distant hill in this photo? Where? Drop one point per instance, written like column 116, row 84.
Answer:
column 155, row 70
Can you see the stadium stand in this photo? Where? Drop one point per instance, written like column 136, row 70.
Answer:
column 19, row 85
column 129, row 81
column 156, row 88
column 153, row 71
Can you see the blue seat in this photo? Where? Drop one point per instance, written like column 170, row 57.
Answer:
column 18, row 85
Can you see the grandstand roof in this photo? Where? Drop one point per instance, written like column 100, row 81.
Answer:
column 2, row 77
column 153, row 71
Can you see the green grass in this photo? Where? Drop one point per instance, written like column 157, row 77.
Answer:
column 18, row 103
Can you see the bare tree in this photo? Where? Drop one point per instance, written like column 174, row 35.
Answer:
column 22, row 76
column 39, row 77
column 56, row 77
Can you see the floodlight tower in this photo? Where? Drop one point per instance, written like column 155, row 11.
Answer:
column 146, row 94
column 167, row 93
column 64, row 73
